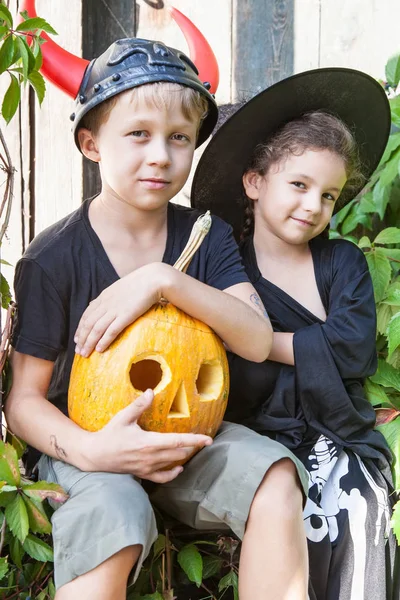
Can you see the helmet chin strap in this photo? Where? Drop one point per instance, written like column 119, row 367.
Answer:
column 65, row 70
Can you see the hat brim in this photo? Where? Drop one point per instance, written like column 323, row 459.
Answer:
column 353, row 96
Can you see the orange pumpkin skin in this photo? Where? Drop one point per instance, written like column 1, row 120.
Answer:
column 179, row 357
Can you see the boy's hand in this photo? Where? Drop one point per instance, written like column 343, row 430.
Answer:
column 123, row 447
column 118, row 306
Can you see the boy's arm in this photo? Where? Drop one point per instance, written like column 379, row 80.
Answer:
column 120, row 447
column 236, row 314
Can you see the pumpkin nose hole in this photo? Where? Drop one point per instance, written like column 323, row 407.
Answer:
column 180, row 406
column 145, row 374
column 210, row 381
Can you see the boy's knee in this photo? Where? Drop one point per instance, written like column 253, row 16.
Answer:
column 280, row 491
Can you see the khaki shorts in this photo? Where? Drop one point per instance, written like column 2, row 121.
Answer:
column 107, row 512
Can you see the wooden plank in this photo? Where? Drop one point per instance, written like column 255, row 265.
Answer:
column 307, row 23
column 359, row 34
column 58, row 164
column 103, row 22
column 262, row 44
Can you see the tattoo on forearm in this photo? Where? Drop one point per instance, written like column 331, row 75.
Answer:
column 257, row 302
column 61, row 454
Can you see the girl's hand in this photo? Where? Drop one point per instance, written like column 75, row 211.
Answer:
column 123, row 447
column 118, row 306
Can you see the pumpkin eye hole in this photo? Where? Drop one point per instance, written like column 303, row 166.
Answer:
column 145, row 374
column 210, row 381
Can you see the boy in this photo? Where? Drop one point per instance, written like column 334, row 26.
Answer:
column 87, row 277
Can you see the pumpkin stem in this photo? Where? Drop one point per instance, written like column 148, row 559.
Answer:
column 199, row 231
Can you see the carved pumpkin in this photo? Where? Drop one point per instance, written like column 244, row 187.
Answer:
column 179, row 357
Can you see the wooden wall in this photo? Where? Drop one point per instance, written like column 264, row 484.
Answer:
column 256, row 43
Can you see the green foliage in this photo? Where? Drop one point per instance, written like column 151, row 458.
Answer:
column 21, row 57
column 25, row 563
column 374, row 215
column 173, row 565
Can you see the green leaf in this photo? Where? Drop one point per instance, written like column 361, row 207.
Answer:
column 11, row 99
column 375, row 393
column 16, row 443
column 393, row 333
column 24, row 57
column 5, row 15
column 7, row 53
column 394, row 360
column 395, row 522
column 3, row 30
column 42, row 490
column 38, row 549
column 38, row 521
column 393, row 143
column 341, row 214
column 6, row 498
column 36, row 23
column 37, row 53
column 159, row 545
column 367, row 204
column 391, row 170
column 230, row 580
column 3, row 567
column 191, row 563
column 28, row 59
column 4, row 291
column 9, row 468
column 380, row 270
column 381, row 195
column 51, row 588
column 391, row 253
column 212, row 565
column 155, row 596
column 391, row 432
column 38, row 84
column 17, row 518
column 395, row 110
column 390, row 235
column 365, row 242
column 386, row 375
column 16, row 551
column 350, row 222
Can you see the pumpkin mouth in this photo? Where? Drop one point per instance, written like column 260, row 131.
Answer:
column 150, row 372
column 210, row 381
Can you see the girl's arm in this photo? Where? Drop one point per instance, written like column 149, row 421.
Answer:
column 282, row 348
column 235, row 314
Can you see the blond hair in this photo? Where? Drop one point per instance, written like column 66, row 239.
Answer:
column 161, row 94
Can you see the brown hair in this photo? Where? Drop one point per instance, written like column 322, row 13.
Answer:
column 161, row 94
column 315, row 130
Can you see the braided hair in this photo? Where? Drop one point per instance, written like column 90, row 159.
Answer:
column 315, row 130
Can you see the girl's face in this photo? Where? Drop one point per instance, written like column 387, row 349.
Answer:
column 294, row 201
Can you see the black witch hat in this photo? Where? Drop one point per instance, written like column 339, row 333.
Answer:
column 355, row 97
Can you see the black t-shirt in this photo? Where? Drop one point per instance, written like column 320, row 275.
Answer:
column 66, row 267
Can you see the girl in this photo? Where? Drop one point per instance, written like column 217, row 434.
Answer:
column 299, row 151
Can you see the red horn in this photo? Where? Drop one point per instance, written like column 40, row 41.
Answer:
column 200, row 50
column 60, row 67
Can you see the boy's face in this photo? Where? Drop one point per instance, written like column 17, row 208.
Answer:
column 145, row 153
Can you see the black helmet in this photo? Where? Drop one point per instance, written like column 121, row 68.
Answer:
column 131, row 62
